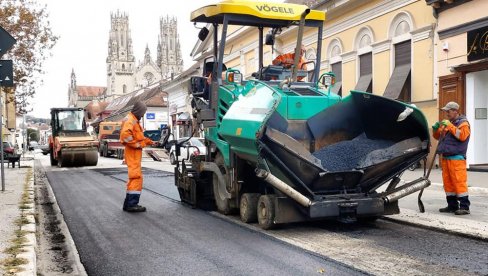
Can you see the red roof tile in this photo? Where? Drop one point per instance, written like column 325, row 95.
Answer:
column 95, row 107
column 90, row 91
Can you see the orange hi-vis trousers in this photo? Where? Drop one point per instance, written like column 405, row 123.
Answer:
column 455, row 178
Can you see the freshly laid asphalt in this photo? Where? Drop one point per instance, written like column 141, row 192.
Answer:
column 169, row 238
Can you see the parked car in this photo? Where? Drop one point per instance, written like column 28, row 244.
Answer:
column 194, row 146
column 154, row 135
column 8, row 149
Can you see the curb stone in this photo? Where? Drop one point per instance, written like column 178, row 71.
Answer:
column 461, row 227
column 29, row 247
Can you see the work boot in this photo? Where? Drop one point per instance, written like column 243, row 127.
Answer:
column 464, row 202
column 452, row 205
column 447, row 210
column 462, row 212
column 135, row 209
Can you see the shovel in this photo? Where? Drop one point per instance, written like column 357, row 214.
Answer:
column 419, row 199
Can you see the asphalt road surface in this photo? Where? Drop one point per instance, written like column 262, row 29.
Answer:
column 174, row 239
column 169, row 238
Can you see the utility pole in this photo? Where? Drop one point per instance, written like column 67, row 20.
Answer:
column 24, row 134
column 1, row 135
column 6, row 79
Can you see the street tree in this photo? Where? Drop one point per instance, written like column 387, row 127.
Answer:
column 28, row 22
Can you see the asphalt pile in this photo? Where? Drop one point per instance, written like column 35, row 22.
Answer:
column 350, row 154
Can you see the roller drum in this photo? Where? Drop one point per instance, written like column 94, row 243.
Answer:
column 78, row 158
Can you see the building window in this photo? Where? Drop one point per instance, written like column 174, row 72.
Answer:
column 124, row 89
column 399, row 85
column 336, row 68
column 365, row 81
column 363, row 41
column 123, row 67
column 335, row 60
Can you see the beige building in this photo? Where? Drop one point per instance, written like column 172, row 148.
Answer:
column 8, row 117
column 462, row 66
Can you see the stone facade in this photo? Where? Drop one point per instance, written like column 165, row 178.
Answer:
column 169, row 51
column 120, row 59
column 123, row 76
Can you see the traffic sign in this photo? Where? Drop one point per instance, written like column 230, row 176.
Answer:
column 6, row 73
column 6, row 41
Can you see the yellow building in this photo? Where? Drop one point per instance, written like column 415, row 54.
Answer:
column 383, row 46
column 462, row 67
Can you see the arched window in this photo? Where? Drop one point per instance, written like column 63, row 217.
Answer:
column 363, row 41
column 335, row 61
column 399, row 86
column 123, row 67
column 124, row 89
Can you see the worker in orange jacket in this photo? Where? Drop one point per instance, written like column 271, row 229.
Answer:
column 287, row 60
column 132, row 137
column 453, row 139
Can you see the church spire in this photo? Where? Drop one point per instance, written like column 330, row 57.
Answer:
column 147, row 55
column 169, row 51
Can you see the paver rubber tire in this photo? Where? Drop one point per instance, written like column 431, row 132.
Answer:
column 223, row 205
column 172, row 159
column 54, row 162
column 266, row 211
column 248, row 207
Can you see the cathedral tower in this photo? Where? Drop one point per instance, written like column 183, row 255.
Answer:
column 120, row 59
column 169, row 57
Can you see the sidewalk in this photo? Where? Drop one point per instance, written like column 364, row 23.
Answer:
column 474, row 225
column 13, row 207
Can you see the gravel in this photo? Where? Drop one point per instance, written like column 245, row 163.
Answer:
column 348, row 155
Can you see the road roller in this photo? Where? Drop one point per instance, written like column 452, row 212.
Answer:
column 70, row 144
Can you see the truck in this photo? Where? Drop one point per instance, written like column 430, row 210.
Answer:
column 110, row 145
column 70, row 144
column 280, row 150
column 108, row 135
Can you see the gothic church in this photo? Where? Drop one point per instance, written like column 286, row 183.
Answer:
column 123, row 75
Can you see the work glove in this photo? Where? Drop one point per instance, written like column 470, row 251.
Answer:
column 446, row 123
column 148, row 142
column 436, row 126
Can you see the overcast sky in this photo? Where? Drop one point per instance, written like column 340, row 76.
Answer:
column 83, row 27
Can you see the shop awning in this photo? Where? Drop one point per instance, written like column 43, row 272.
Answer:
column 364, row 83
column 397, row 81
column 337, row 88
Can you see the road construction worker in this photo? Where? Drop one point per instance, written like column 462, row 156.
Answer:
column 132, row 137
column 287, row 60
column 453, row 135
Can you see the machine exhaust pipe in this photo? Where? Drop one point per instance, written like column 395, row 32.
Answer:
column 283, row 187
column 407, row 189
column 298, row 48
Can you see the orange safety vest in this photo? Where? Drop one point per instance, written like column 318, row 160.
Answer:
column 287, row 61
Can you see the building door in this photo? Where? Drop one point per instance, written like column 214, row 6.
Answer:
column 477, row 114
column 451, row 89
